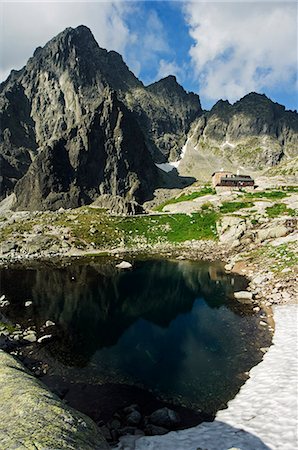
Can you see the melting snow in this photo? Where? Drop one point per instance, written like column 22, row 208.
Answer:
column 167, row 167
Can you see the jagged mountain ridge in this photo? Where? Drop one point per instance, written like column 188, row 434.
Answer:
column 76, row 123
column 54, row 97
column 252, row 134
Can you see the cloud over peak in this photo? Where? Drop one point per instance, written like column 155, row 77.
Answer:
column 241, row 47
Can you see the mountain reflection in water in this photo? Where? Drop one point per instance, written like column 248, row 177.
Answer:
column 166, row 325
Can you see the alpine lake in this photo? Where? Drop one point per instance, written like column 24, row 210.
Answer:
column 166, row 332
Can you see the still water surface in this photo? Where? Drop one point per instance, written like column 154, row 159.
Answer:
column 170, row 327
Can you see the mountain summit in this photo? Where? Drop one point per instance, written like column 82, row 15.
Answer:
column 76, row 124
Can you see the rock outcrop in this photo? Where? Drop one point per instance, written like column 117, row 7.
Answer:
column 253, row 134
column 32, row 417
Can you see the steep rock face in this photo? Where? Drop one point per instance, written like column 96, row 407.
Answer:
column 165, row 112
column 253, row 133
column 61, row 117
column 104, row 154
column 17, row 139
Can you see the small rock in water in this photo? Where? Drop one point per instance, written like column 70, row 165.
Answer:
column 46, row 337
column 124, row 265
column 28, row 303
column 49, row 323
column 243, row 295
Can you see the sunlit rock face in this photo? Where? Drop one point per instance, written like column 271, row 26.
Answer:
column 253, row 134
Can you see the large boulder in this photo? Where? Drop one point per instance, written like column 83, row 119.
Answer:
column 231, row 228
column 32, row 417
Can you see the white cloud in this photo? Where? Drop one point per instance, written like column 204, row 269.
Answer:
column 242, row 46
column 27, row 25
column 149, row 43
column 168, row 68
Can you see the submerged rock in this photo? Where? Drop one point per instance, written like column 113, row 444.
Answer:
column 32, row 416
column 164, row 417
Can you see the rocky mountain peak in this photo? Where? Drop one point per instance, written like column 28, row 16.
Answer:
column 170, row 86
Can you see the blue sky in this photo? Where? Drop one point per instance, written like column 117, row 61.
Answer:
column 217, row 49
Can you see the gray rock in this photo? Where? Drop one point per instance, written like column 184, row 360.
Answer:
column 133, row 418
column 245, row 295
column 164, row 417
column 36, row 417
column 272, row 232
column 154, row 430
column 7, row 247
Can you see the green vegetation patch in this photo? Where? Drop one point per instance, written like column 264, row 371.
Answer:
column 93, row 226
column 7, row 326
column 206, row 190
column 282, row 256
column 267, row 194
column 290, row 189
column 230, row 207
column 169, row 228
column 279, row 209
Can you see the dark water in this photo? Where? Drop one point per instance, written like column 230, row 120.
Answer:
column 170, row 327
